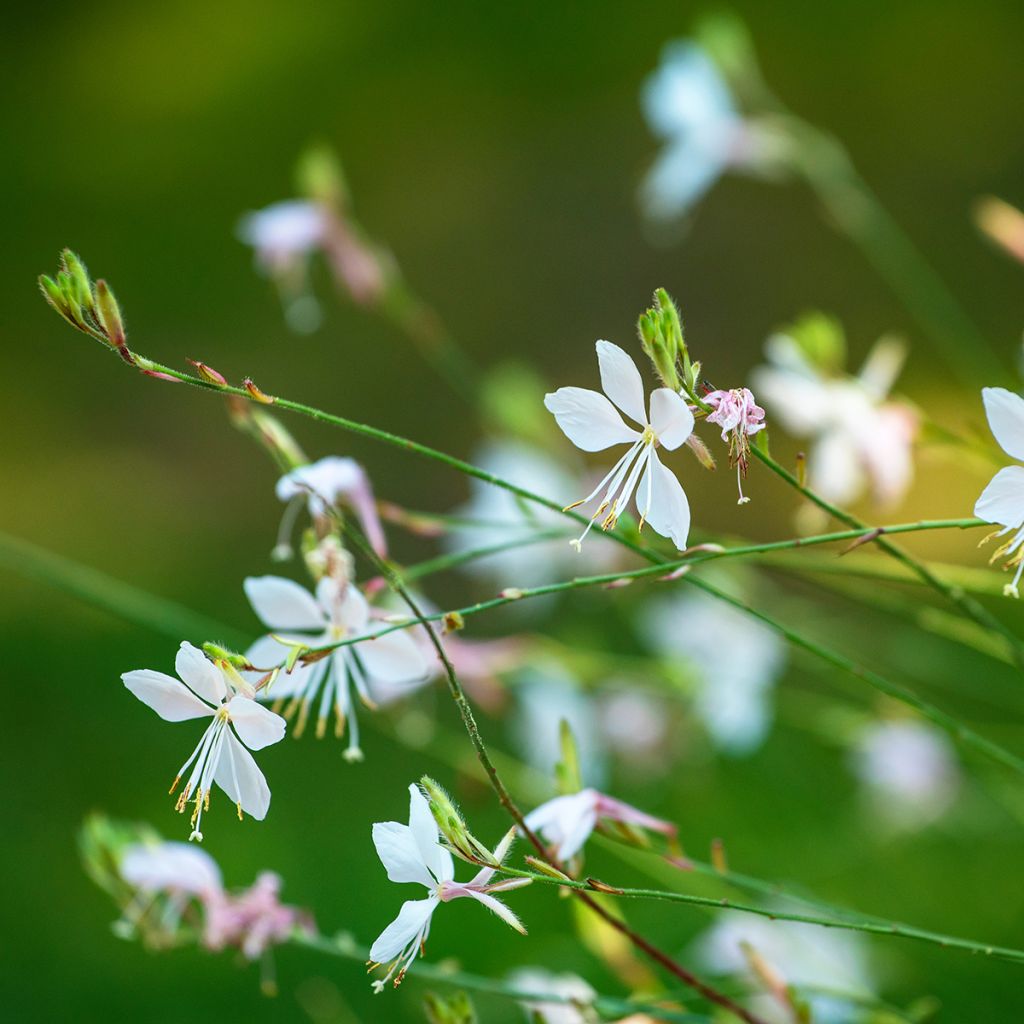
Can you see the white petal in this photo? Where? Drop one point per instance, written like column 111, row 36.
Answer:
column 835, row 469
column 200, row 673
column 170, row 866
column 412, row 918
column 588, row 419
column 393, row 658
column 257, row 727
column 283, row 604
column 265, row 654
column 170, row 698
column 424, row 829
column 400, row 854
column 351, row 611
column 679, row 178
column 1005, row 412
column 499, row 908
column 240, row 777
column 1002, row 501
column 671, row 418
column 669, row 512
column 621, row 380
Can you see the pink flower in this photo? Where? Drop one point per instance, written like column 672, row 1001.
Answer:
column 567, row 821
column 740, row 417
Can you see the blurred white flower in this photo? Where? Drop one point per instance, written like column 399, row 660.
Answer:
column 909, row 769
column 858, row 436
column 802, row 954
column 284, row 232
column 566, row 822
column 1002, row 501
column 635, row 724
column 176, row 869
column 544, row 697
column 412, row 853
column 335, row 480
column 540, row 982
column 735, row 659
column 220, row 756
column 336, row 613
column 591, row 422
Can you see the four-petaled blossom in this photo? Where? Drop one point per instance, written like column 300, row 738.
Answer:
column 740, row 417
column 220, row 757
column 338, row 612
column 591, row 422
column 412, row 853
column 1002, row 501
column 688, row 104
column 331, row 481
column 858, row 435
column 566, row 822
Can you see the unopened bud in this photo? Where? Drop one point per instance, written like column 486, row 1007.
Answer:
column 256, row 394
column 109, row 314
column 79, row 278
column 801, row 469
column 453, row 622
column 452, row 826
column 512, row 594
column 209, row 374
column 544, row 868
column 700, row 449
column 218, row 653
column 53, row 295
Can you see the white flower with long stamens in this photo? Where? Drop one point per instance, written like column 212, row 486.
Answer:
column 338, row 612
column 1002, row 501
column 412, row 853
column 332, row 480
column 566, row 822
column 221, row 756
column 591, row 422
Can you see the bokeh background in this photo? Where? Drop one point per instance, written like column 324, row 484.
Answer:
column 497, row 150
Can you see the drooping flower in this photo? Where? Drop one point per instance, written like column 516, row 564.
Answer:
column 573, row 996
column 858, row 435
column 566, row 822
column 412, row 853
column 239, row 724
column 338, row 612
column 831, row 964
column 740, row 417
column 735, row 661
column 1002, row 501
column 336, row 480
column 591, row 422
column 909, row 769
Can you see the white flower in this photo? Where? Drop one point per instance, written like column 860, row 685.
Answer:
column 910, row 770
column 283, row 232
column 412, row 853
column 803, row 954
column 1002, row 501
column 220, row 756
column 172, row 868
column 566, row 822
column 858, row 437
column 333, row 480
column 735, row 659
column 336, row 613
column 573, row 995
column 590, row 421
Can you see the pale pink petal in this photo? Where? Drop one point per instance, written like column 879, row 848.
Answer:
column 405, row 928
column 671, row 418
column 283, row 604
column 1005, row 412
column 588, row 419
column 621, row 380
column 669, row 512
column 170, row 698
column 240, row 777
column 400, row 854
column 1002, row 501
column 257, row 727
column 200, row 673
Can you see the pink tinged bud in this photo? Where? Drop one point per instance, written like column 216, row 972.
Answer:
column 209, row 374
column 109, row 314
column 256, row 394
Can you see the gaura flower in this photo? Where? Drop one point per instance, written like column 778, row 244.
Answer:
column 566, row 822
column 740, row 417
column 858, row 435
column 336, row 480
column 591, row 422
column 338, row 612
column 176, row 869
column 238, row 722
column 1002, row 501
column 573, row 997
column 412, row 853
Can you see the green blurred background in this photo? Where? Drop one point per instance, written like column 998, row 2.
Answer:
column 497, row 150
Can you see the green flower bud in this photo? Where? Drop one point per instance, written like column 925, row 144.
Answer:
column 109, row 314
column 452, row 1009
column 453, row 828
column 79, row 278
